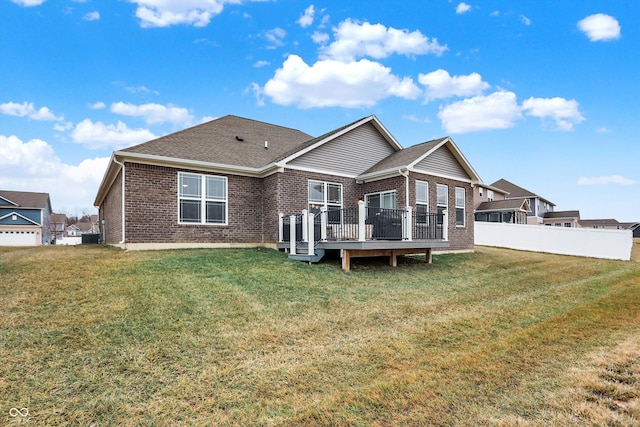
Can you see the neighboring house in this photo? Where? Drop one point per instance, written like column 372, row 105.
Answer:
column 228, row 182
column 538, row 206
column 24, row 218
column 602, row 224
column 57, row 225
column 562, row 219
column 633, row 226
column 491, row 205
column 83, row 227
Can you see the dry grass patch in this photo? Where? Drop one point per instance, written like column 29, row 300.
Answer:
column 248, row 337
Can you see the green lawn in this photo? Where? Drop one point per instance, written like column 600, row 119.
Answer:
column 97, row 336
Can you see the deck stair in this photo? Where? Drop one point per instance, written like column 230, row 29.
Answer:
column 301, row 253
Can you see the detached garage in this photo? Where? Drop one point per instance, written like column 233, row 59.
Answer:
column 24, row 218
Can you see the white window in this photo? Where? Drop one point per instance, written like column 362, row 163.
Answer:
column 422, row 202
column 442, row 192
column 460, row 206
column 490, row 195
column 480, row 191
column 202, row 199
column 384, row 200
column 325, row 194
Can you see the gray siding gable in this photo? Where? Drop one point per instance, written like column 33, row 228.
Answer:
column 442, row 162
column 349, row 154
column 23, row 217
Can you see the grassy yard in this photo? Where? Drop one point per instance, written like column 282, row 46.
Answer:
column 97, row 336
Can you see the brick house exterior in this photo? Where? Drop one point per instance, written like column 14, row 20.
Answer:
column 261, row 170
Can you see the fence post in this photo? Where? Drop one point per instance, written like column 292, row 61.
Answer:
column 305, row 215
column 292, row 234
column 361, row 218
column 280, row 227
column 323, row 223
column 311, row 243
column 445, row 225
column 408, row 224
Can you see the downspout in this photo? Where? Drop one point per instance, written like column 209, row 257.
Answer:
column 121, row 164
column 406, row 186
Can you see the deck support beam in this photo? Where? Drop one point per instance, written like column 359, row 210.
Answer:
column 347, row 254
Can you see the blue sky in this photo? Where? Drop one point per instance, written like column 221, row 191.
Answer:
column 541, row 93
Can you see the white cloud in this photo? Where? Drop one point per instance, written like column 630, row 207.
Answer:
column 330, row 83
column 320, row 38
column 564, row 112
column 462, row 8
column 603, row 129
column 97, row 106
column 92, row 16
column 34, row 166
column 600, row 27
column 260, row 64
column 99, row 135
column 604, row 180
column 154, row 113
column 498, row 110
column 26, row 109
column 63, row 126
column 441, row 85
column 307, row 19
column 164, row 13
column 275, row 37
column 28, row 3
column 353, row 40
column 526, row 21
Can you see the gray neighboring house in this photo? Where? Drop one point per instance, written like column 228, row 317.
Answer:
column 491, row 205
column 538, row 206
column 228, row 182
column 633, row 226
column 24, row 218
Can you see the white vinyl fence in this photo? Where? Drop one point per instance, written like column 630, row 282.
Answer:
column 587, row 242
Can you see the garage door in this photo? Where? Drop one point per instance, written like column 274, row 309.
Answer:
column 18, row 238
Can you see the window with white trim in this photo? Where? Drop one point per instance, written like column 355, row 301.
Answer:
column 325, row 194
column 384, row 200
column 202, row 199
column 460, row 206
column 422, row 202
column 442, row 193
column 490, row 195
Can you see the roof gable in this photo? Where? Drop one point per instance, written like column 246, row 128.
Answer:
column 25, row 199
column 348, row 151
column 504, row 205
column 516, row 191
column 15, row 218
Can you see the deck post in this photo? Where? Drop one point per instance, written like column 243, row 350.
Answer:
column 305, row 215
column 408, row 222
column 280, row 227
column 362, row 213
column 292, row 234
column 445, row 225
column 310, row 234
column 323, row 223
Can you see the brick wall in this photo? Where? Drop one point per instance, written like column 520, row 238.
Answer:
column 111, row 212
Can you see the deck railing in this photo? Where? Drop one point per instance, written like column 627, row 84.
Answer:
column 361, row 223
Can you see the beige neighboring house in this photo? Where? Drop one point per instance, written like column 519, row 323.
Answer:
column 57, row 225
column 491, row 205
column 602, row 224
column 538, row 206
column 569, row 219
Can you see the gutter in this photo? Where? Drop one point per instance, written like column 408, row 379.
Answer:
column 123, row 222
column 406, row 186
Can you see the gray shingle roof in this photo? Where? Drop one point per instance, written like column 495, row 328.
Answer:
column 562, row 214
column 500, row 205
column 516, row 191
column 216, row 142
column 25, row 199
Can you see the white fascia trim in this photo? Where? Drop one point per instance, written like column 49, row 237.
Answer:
column 500, row 210
column 321, row 171
column 377, row 176
column 9, row 201
column 453, row 178
column 21, row 216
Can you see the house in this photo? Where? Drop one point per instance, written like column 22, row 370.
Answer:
column 538, row 206
column 24, row 218
column 633, row 226
column 235, row 182
column 491, row 205
column 562, row 219
column 57, row 225
column 602, row 224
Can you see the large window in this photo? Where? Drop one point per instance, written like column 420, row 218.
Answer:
column 325, row 194
column 442, row 192
column 202, row 198
column 460, row 207
column 422, row 202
